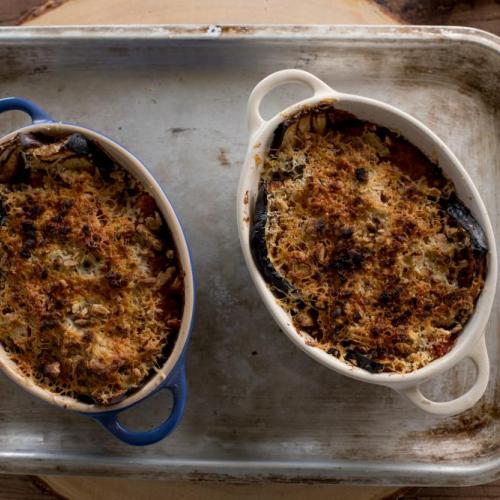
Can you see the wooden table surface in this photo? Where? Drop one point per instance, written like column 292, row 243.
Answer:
column 483, row 14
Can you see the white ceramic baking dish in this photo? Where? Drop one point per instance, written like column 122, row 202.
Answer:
column 171, row 375
column 471, row 342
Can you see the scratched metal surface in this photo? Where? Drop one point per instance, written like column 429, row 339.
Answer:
column 258, row 408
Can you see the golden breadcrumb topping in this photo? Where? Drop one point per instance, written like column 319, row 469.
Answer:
column 365, row 243
column 91, row 290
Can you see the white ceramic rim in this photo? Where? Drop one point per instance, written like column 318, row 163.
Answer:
column 128, row 161
column 471, row 341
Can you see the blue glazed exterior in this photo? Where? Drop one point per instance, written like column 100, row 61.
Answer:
column 176, row 383
column 176, row 380
column 38, row 115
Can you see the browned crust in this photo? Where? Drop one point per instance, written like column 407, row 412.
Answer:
column 91, row 288
column 382, row 264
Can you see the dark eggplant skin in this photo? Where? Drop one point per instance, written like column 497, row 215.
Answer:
column 78, row 144
column 259, row 248
column 278, row 136
column 462, row 216
column 83, row 146
column 361, row 361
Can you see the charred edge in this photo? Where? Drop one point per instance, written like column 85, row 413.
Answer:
column 83, row 398
column 363, row 362
column 259, row 248
column 462, row 216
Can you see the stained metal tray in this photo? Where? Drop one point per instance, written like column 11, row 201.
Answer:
column 258, row 408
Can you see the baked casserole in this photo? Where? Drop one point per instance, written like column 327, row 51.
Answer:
column 364, row 242
column 91, row 289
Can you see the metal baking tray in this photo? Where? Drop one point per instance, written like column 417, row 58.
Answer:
column 258, row 408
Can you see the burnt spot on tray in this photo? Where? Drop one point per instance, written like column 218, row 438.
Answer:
column 222, row 157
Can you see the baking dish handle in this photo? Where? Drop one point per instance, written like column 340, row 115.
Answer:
column 254, row 118
column 449, row 408
column 38, row 115
column 110, row 421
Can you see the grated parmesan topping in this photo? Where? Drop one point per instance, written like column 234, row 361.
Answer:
column 365, row 243
column 91, row 290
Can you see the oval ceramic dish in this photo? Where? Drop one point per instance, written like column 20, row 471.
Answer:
column 471, row 342
column 171, row 376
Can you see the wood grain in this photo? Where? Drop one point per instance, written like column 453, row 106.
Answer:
column 25, row 487
column 482, row 14
column 220, row 12
column 14, row 12
column 14, row 487
column 118, row 489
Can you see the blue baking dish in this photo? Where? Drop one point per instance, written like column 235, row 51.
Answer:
column 171, row 376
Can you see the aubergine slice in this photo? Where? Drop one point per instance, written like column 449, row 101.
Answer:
column 42, row 152
column 26, row 153
column 463, row 218
column 82, row 146
column 258, row 245
column 361, row 361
